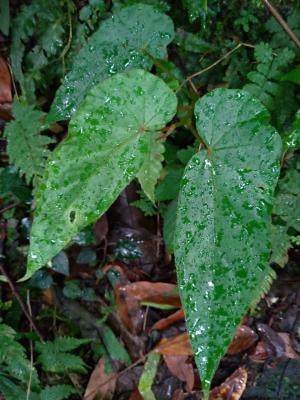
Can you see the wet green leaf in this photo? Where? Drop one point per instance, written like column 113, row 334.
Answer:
column 224, row 219
column 107, row 145
column 122, row 42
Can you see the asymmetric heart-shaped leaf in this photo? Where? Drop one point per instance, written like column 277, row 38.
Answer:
column 107, row 145
column 122, row 42
column 224, row 219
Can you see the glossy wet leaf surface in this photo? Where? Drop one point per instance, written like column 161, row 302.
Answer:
column 107, row 145
column 223, row 220
column 122, row 42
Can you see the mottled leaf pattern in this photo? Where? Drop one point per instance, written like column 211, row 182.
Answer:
column 122, row 42
column 224, row 219
column 106, row 148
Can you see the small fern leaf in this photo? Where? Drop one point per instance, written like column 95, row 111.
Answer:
column 66, row 343
column 13, row 359
column 59, row 363
column 265, row 80
column 54, row 357
column 145, row 205
column 57, row 392
column 10, row 390
column 152, row 165
column 25, row 146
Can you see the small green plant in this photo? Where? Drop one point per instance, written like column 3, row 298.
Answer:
column 18, row 376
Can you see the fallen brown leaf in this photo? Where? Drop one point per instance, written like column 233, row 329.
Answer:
column 272, row 338
column 170, row 320
column 178, row 345
column 262, row 352
column 244, row 338
column 129, row 310
column 182, row 368
column 96, row 385
column 5, row 83
column 154, row 292
column 100, row 228
column 289, row 351
column 178, row 395
column 232, row 388
column 135, row 395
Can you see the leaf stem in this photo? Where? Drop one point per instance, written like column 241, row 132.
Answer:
column 214, row 64
column 282, row 22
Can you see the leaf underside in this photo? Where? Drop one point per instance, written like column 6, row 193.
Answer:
column 107, row 145
column 223, row 221
column 122, row 42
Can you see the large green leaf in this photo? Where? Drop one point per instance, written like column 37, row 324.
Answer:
column 122, row 42
column 223, row 221
column 107, row 145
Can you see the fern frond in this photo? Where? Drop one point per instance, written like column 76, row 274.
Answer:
column 26, row 147
column 57, row 392
column 264, row 288
column 144, row 204
column 13, row 359
column 265, row 84
column 66, row 343
column 54, row 356
column 10, row 390
column 61, row 363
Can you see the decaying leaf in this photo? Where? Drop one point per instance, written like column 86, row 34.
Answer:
column 178, row 345
column 170, row 320
column 5, row 83
column 182, row 368
column 101, row 384
column 244, row 338
column 232, row 388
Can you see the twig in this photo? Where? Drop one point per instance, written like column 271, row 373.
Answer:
column 67, row 46
column 19, row 300
column 282, row 22
column 13, row 81
column 118, row 374
column 189, row 78
column 11, row 284
column 8, row 207
column 31, row 351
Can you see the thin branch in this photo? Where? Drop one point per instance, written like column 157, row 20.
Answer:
column 8, row 207
column 19, row 299
column 31, row 351
column 13, row 80
column 214, row 64
column 119, row 374
column 282, row 22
